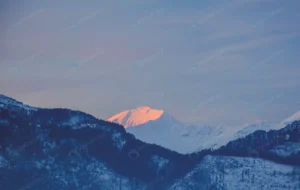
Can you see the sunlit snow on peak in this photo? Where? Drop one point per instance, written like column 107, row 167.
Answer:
column 134, row 117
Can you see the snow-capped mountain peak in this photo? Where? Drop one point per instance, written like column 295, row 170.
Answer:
column 137, row 116
column 294, row 117
column 158, row 127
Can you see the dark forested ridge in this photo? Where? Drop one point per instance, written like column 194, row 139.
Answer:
column 272, row 145
column 59, row 134
column 46, row 143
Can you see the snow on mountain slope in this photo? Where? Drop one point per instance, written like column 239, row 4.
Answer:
column 206, row 136
column 6, row 102
column 265, row 126
column 183, row 138
column 138, row 116
column 235, row 173
column 158, row 127
column 294, row 117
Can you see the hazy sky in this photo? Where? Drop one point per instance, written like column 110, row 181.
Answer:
column 214, row 61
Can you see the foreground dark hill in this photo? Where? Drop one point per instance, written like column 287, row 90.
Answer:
column 66, row 149
column 63, row 139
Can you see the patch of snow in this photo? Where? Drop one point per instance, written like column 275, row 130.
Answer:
column 78, row 122
column 286, row 149
column 4, row 122
column 3, row 162
column 118, row 140
column 74, row 122
column 159, row 161
column 39, row 164
column 84, row 125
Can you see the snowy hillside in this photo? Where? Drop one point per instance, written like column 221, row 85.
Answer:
column 182, row 138
column 265, row 126
column 158, row 127
column 235, row 173
column 286, row 149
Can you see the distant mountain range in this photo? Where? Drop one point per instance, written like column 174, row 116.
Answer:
column 64, row 149
column 158, row 127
